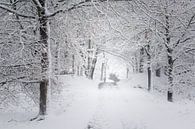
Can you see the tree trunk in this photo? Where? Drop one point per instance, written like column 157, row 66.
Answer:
column 149, row 68
column 81, row 71
column 149, row 78
column 102, row 72
column 136, row 64
column 56, row 69
column 141, row 61
column 94, row 61
column 127, row 76
column 73, row 64
column 43, row 97
column 170, row 62
column 93, row 67
column 44, row 59
column 78, row 71
column 89, row 59
column 170, row 76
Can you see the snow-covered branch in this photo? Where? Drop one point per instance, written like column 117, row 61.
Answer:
column 16, row 12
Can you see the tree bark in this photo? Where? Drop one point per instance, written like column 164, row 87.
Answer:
column 136, row 64
column 89, row 59
column 149, row 78
column 56, row 69
column 81, row 71
column 94, row 61
column 102, row 72
column 170, row 76
column 78, row 71
column 170, row 62
column 141, row 61
column 73, row 64
column 93, row 67
column 127, row 76
column 149, row 68
column 44, row 59
column 43, row 97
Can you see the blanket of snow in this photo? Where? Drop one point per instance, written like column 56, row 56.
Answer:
column 84, row 106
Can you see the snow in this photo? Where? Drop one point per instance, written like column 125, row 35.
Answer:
column 84, row 106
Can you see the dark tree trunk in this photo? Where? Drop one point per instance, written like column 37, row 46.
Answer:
column 88, row 66
column 78, row 71
column 44, row 59
column 149, row 78
column 136, row 64
column 73, row 64
column 93, row 67
column 170, row 61
column 149, row 68
column 89, row 59
column 94, row 61
column 170, row 96
column 81, row 71
column 102, row 72
column 43, row 97
column 127, row 76
column 141, row 61
column 56, row 69
column 170, row 76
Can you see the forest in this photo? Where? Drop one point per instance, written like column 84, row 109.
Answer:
column 97, row 64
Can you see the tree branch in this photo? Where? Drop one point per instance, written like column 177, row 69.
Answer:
column 17, row 13
column 188, row 25
column 37, row 3
column 80, row 5
column 66, row 10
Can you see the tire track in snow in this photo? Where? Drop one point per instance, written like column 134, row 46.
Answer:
column 112, row 112
column 99, row 120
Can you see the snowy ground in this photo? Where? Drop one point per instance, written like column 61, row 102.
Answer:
column 83, row 106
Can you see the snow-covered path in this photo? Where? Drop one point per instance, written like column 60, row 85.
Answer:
column 137, row 109
column 117, row 108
